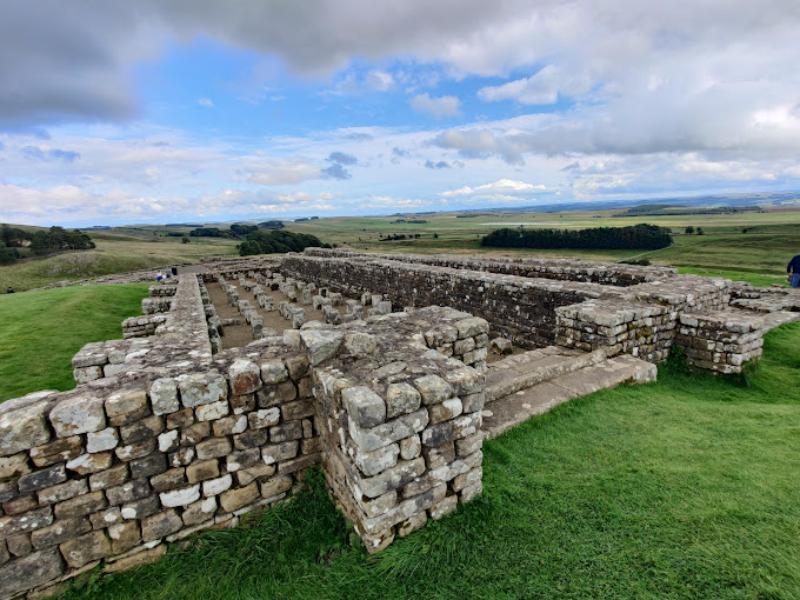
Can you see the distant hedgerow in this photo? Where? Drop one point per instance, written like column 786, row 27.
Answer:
column 635, row 237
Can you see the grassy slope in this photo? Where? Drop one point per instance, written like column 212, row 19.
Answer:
column 40, row 331
column 686, row 488
column 114, row 254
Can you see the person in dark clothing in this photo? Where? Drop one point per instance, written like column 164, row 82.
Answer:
column 174, row 271
column 793, row 271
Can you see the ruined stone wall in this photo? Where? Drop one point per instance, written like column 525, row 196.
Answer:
column 116, row 468
column 163, row 438
column 519, row 308
column 645, row 331
column 563, row 269
column 721, row 342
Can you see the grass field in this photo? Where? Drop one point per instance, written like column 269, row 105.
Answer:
column 751, row 246
column 685, row 488
column 113, row 254
column 40, row 331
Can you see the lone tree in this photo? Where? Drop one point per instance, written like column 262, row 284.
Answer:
column 689, row 230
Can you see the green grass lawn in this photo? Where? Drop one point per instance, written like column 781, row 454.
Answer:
column 685, row 488
column 40, row 331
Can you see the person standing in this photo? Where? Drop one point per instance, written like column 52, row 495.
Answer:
column 793, row 271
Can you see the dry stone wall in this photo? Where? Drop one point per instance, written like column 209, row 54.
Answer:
column 635, row 310
column 517, row 307
column 563, row 269
column 164, row 438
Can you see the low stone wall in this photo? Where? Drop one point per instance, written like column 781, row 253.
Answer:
column 520, row 308
column 720, row 342
column 645, row 331
column 163, row 439
column 562, row 269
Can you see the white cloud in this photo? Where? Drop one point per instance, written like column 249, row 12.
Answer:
column 205, row 102
column 380, row 80
column 499, row 186
column 543, row 87
column 443, row 106
column 282, row 172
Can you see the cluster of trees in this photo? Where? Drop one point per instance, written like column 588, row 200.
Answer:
column 690, row 230
column 642, row 236
column 302, row 219
column 276, row 241
column 40, row 242
column 237, row 231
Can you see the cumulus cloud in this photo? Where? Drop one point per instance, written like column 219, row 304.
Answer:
column 380, row 81
column 504, row 186
column 205, row 102
column 543, row 87
column 439, row 164
column 443, row 106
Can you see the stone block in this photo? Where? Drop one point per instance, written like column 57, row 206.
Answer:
column 42, row 478
column 100, row 441
column 364, row 407
column 77, row 414
column 85, row 549
column 57, row 451
column 164, row 396
column 198, row 389
column 31, row 571
column 160, row 525
column 237, row 498
column 125, row 401
column 244, row 376
column 433, row 389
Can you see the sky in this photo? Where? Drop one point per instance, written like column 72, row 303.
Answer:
column 163, row 111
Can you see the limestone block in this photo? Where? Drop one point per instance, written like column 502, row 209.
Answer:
column 160, row 525
column 244, row 377
column 391, row 431
column 364, row 407
column 401, row 398
column 31, row 571
column 164, row 396
column 85, row 549
column 372, row 463
column 78, row 414
column 202, row 388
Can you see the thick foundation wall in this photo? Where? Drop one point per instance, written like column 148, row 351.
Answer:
column 519, row 308
column 551, row 268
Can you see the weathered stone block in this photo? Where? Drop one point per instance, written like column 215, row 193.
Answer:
column 100, row 441
column 31, row 571
column 86, row 548
column 164, row 396
column 78, row 414
column 160, row 525
column 244, row 377
column 42, row 478
column 433, row 389
column 58, row 451
column 237, row 498
column 202, row 388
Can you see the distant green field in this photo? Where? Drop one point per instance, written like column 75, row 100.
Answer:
column 40, row 331
column 758, row 255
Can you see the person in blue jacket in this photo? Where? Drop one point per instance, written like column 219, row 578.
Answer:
column 793, row 271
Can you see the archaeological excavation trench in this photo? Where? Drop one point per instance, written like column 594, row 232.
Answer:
column 386, row 371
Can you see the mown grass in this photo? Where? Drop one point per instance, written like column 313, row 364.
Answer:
column 40, row 331
column 685, row 488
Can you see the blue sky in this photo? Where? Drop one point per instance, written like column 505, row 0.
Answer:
column 175, row 110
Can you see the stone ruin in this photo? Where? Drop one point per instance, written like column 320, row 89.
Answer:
column 388, row 371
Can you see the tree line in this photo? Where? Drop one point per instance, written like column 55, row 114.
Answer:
column 40, row 242
column 278, row 241
column 634, row 237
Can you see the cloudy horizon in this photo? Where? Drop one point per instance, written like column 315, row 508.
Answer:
column 165, row 111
